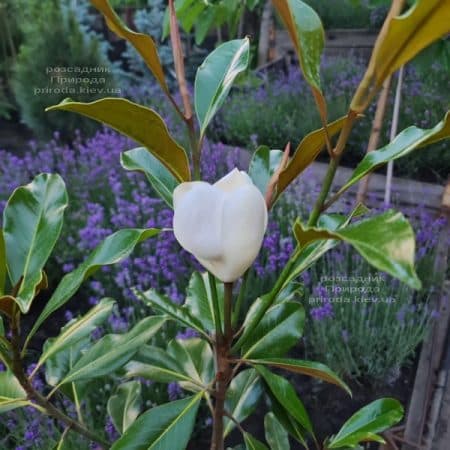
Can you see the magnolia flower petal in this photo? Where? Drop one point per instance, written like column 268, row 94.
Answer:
column 233, row 180
column 243, row 226
column 222, row 225
column 197, row 219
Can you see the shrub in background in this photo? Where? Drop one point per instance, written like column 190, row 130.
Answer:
column 62, row 45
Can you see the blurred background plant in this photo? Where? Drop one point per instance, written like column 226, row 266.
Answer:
column 55, row 62
column 278, row 108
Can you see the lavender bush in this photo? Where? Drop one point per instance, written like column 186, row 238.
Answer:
column 281, row 108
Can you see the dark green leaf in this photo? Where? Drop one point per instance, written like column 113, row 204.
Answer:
column 285, row 394
column 113, row 351
column 167, row 426
column 125, row 405
column 215, row 77
column 204, row 23
column 199, row 300
column 243, row 395
column 79, row 329
column 407, row 141
column 165, row 305
column 279, row 330
column 155, row 364
column 60, row 364
column 12, row 394
column 32, row 222
column 112, row 250
column 310, row 368
column 138, row 122
column 301, row 262
column 276, row 435
column 196, row 359
column 363, row 425
column 160, row 178
column 252, row 443
column 288, row 422
column 386, row 241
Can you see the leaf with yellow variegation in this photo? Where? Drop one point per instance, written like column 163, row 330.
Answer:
column 306, row 152
column 142, row 124
column 306, row 31
column 143, row 43
column 425, row 22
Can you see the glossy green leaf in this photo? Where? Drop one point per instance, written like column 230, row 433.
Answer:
column 285, row 394
column 205, row 22
column 142, row 160
column 252, row 443
column 79, row 329
column 262, row 166
column 367, row 422
column 168, row 426
column 386, row 241
column 32, row 222
column 143, row 43
column 276, row 435
column 425, row 22
column 125, row 405
column 155, row 364
column 138, row 122
column 279, row 330
column 179, row 313
column 308, row 36
column 199, row 300
column 310, row 368
column 215, row 77
column 112, row 250
column 243, row 395
column 196, row 359
column 407, row 141
column 113, row 351
column 306, row 153
column 3, row 269
column 301, row 262
column 288, row 422
column 60, row 364
column 12, row 394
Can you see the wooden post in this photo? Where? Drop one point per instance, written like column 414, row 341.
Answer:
column 426, row 397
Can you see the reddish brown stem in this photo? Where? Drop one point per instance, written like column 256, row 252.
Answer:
column 224, row 370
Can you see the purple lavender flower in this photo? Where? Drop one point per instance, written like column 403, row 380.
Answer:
column 174, row 391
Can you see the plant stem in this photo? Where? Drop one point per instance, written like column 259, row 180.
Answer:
column 240, row 299
column 224, row 370
column 39, row 399
column 216, row 310
column 332, row 167
column 326, row 185
column 196, row 147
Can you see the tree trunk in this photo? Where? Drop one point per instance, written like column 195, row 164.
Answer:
column 264, row 33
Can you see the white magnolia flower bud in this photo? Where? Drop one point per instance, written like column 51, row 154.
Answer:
column 223, row 224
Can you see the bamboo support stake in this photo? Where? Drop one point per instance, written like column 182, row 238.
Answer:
column 394, row 129
column 375, row 136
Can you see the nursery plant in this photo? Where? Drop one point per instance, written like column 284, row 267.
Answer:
column 235, row 360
